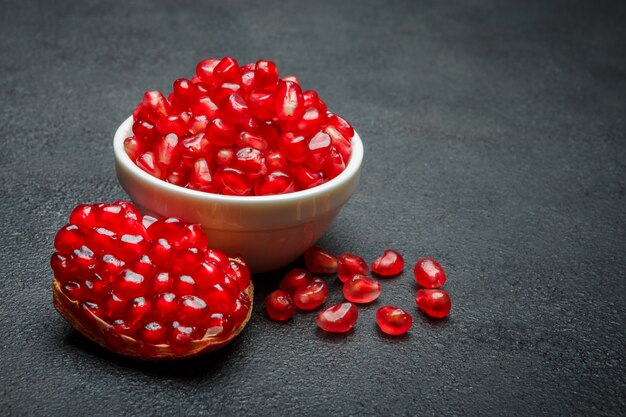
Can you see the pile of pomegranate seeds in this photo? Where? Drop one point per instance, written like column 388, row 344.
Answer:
column 301, row 290
column 239, row 130
column 145, row 287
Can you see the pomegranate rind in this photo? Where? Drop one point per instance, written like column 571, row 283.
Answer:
column 100, row 332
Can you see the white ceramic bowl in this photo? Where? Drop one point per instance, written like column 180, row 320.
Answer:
column 269, row 231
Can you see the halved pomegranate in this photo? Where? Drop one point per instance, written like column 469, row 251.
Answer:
column 147, row 288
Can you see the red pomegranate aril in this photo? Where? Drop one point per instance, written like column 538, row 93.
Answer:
column 338, row 318
column 221, row 133
column 279, row 306
column 293, row 147
column 208, row 274
column 291, row 79
column 294, row 280
column 72, row 290
column 168, row 150
column 68, row 238
column 153, row 333
column 197, row 124
column 349, row 265
column 234, row 182
column 265, row 74
column 310, row 121
column 249, row 140
column 320, row 261
column 275, row 161
column 261, row 104
column 113, row 306
column 224, row 156
column 306, row 177
column 435, row 303
column 179, row 175
column 181, row 336
column 393, row 320
column 310, row 99
column 145, row 131
column 95, row 288
column 110, row 267
column 130, row 247
column 62, row 267
column 428, row 273
column 156, row 105
column 185, row 285
column 134, row 148
column 165, row 306
column 341, row 125
column 239, row 270
column 220, row 299
column 333, row 165
column 319, row 149
column 83, row 216
column 163, row 282
column 148, row 163
column 184, row 94
column 223, row 91
column 192, row 309
column 187, row 261
column 251, row 161
column 340, row 143
column 173, row 124
column 162, row 252
column 204, row 106
column 242, row 306
column 247, row 83
column 84, row 258
column 194, row 147
column 227, row 70
column 100, row 239
column 204, row 70
column 388, row 265
column 361, row 289
column 217, row 257
column 130, row 284
column 276, row 182
column 137, row 311
column 235, row 109
column 311, row 296
column 201, row 178
column 218, row 324
column 289, row 101
column 193, row 237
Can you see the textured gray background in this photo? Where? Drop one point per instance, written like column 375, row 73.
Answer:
column 495, row 142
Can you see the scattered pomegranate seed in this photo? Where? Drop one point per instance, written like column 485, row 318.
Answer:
column 390, row 264
column 393, row 320
column 294, row 280
column 154, row 281
column 435, row 303
column 320, row 261
column 349, row 265
column 279, row 306
column 338, row 318
column 428, row 273
column 361, row 289
column 313, row 295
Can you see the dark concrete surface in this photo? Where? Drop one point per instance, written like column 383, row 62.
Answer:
column 495, row 142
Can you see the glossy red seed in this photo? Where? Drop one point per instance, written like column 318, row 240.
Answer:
column 320, row 261
column 163, row 282
column 84, row 259
column 279, row 306
column 72, row 290
column 197, row 124
column 250, row 161
column 62, row 268
column 361, row 289
column 349, row 265
column 172, row 124
column 239, row 270
column 130, row 247
column 204, row 70
column 156, row 105
column 83, row 216
column 265, row 74
column 292, row 79
column 275, row 161
column 221, row 133
column 168, row 150
column 276, row 182
column 68, row 239
column 184, row 94
column 293, row 147
column 294, row 280
column 340, row 143
column 217, row 257
column 289, row 101
column 227, row 70
column 235, row 109
column 242, row 306
column 148, row 163
column 341, row 125
column 110, row 267
column 153, row 333
column 310, row 99
column 113, row 307
column 262, row 105
column 179, row 175
column 428, row 273
column 393, row 320
column 130, row 284
column 187, row 261
column 435, row 303
column 204, row 106
column 338, row 318
column 145, row 131
column 390, row 264
column 201, row 178
column 180, row 336
column 234, row 182
column 218, row 324
column 311, row 121
column 220, row 299
column 311, row 296
column 165, row 306
column 134, row 148
column 221, row 93
column 333, row 165
column 250, row 140
column 185, row 285
column 319, row 146
column 192, row 237
column 192, row 309
column 137, row 311
column 306, row 177
column 95, row 288
column 193, row 148
column 247, row 83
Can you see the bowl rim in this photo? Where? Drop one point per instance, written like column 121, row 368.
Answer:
column 352, row 169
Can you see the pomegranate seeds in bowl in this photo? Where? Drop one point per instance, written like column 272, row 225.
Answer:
column 147, row 288
column 239, row 130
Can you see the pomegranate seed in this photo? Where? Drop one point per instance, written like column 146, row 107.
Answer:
column 234, row 182
column 320, row 261
column 249, row 140
column 180, row 336
column 184, row 94
column 221, row 133
column 192, row 310
column 428, row 273
column 204, row 107
column 137, row 311
column 68, row 239
column 239, row 270
column 319, row 150
column 275, row 161
column 247, row 83
column 145, row 131
column 242, row 306
column 361, row 289
column 227, row 70
column 305, row 177
column 148, row 163
column 340, row 143
column 173, row 124
column 349, row 265
column 333, row 165
column 289, row 101
column 83, row 216
column 251, row 162
column 163, row 282
column 100, row 239
column 223, row 91
column 130, row 284
column 311, row 121
column 185, row 285
column 435, row 303
column 134, row 148
column 293, row 147
column 294, row 280
column 217, row 257
column 279, row 306
column 168, row 150
column 194, row 147
column 113, row 306
column 179, row 175
column 201, row 178
column 310, row 99
column 262, row 104
column 217, row 324
column 235, row 109
column 265, row 74
column 156, row 105
column 153, row 333
column 220, row 299
column 72, row 290
column 204, row 70
column 165, row 306
column 197, row 124
column 341, row 125
column 338, row 318
column 84, row 258
column 275, row 183
column 311, row 296
column 390, row 264
column 209, row 274
column 292, row 79
column 393, row 320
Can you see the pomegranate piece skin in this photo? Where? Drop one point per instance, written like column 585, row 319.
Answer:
column 433, row 302
column 361, row 289
column 279, row 306
column 294, row 280
column 349, row 265
column 313, row 295
column 141, row 295
column 428, row 273
column 393, row 320
column 388, row 265
column 338, row 318
column 320, row 261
